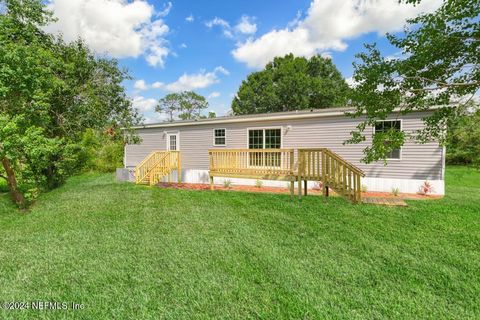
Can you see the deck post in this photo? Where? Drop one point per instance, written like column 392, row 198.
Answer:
column 299, row 179
column 211, row 182
column 305, row 184
column 179, row 167
column 292, row 189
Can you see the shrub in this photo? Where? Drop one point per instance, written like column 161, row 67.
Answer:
column 104, row 151
column 364, row 188
column 258, row 183
column 426, row 188
column 395, row 191
column 227, row 183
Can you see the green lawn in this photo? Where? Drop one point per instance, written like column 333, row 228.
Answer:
column 127, row 251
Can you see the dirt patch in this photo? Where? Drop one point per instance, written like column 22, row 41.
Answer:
column 404, row 196
column 285, row 190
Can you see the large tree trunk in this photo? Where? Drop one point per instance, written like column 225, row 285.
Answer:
column 17, row 196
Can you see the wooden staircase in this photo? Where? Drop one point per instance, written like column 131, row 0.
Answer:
column 156, row 166
column 327, row 167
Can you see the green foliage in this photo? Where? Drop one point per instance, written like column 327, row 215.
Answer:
column 186, row 105
column 211, row 115
column 258, row 184
column 227, row 183
column 463, row 141
column 50, row 93
column 292, row 83
column 170, row 105
column 396, row 191
column 439, row 67
column 104, row 152
column 40, row 163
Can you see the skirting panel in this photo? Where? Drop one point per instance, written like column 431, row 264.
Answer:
column 371, row 184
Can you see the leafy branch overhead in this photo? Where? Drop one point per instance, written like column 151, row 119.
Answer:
column 438, row 67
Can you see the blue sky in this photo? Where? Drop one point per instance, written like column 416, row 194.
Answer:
column 211, row 46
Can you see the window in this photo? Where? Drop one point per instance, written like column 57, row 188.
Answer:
column 172, row 142
column 265, row 139
column 219, row 137
column 382, row 126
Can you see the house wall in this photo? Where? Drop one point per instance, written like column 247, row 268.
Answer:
column 419, row 162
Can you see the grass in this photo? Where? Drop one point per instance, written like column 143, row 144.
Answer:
column 127, row 251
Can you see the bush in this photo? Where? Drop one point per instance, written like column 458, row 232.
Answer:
column 258, row 183
column 104, row 151
column 227, row 183
column 463, row 143
column 395, row 191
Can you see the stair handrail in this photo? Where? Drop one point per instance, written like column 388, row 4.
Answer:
column 166, row 165
column 333, row 155
column 149, row 166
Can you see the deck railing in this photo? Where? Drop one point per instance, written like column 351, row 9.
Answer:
column 321, row 165
column 333, row 171
column 252, row 162
column 155, row 164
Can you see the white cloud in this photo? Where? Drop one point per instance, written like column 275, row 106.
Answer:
column 166, row 10
column 246, row 25
column 140, row 85
column 190, row 18
column 327, row 25
column 213, row 95
column 221, row 69
column 224, row 25
column 157, row 85
column 183, row 45
column 195, row 81
column 351, row 82
column 143, row 104
column 155, row 118
column 115, row 27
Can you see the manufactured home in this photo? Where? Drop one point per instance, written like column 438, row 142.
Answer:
column 287, row 146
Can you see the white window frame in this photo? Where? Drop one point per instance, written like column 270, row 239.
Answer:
column 264, row 128
column 401, row 129
column 219, row 145
column 178, row 140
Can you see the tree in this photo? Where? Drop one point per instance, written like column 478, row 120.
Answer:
column 291, row 83
column 439, row 67
column 192, row 105
column 50, row 93
column 187, row 105
column 463, row 139
column 170, row 105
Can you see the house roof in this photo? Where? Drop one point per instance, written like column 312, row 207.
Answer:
column 298, row 114
column 289, row 115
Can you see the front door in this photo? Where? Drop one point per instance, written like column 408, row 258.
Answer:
column 173, row 143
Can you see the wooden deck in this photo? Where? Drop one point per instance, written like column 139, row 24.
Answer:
column 296, row 166
column 320, row 165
